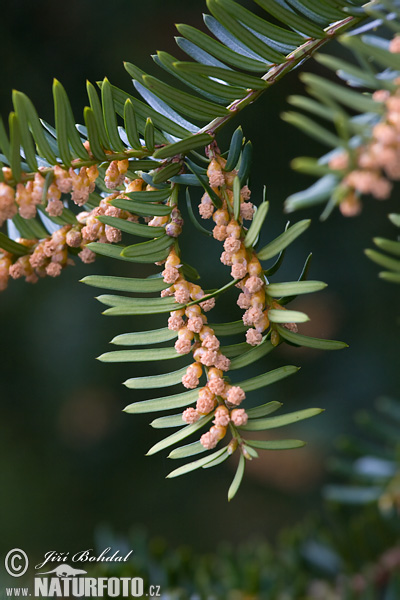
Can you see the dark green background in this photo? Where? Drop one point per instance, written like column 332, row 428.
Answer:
column 70, row 459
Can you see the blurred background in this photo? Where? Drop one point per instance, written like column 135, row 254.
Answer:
column 71, row 461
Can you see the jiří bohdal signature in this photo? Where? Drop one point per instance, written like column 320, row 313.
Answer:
column 107, row 555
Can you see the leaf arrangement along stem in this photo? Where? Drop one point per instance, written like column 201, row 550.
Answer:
column 276, row 73
column 128, row 167
column 266, row 320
